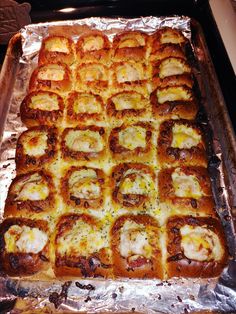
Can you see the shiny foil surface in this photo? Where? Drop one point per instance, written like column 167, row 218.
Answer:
column 120, row 296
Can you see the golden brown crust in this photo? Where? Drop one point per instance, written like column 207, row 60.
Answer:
column 41, row 81
column 129, row 75
column 173, row 80
column 27, row 162
column 130, row 171
column 171, row 71
column 166, row 51
column 95, row 53
column 130, row 45
column 97, row 264
column 47, row 55
column 24, row 207
column 177, row 264
column 167, row 35
column 19, row 263
column 69, row 153
column 157, row 67
column 121, row 153
column 75, row 100
column 132, row 112
column 181, row 108
column 92, row 76
column 184, row 205
column 141, row 267
column 173, row 156
column 32, row 116
column 79, row 202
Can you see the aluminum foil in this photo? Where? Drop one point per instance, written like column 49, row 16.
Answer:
column 98, row 295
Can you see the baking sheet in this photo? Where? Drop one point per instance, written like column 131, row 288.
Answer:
column 145, row 296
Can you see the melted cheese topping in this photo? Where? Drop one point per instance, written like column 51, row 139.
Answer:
column 82, row 239
column 51, row 72
column 44, row 101
column 93, row 72
column 86, row 141
column 35, row 143
column 186, row 185
column 87, row 103
column 128, row 73
column 133, row 137
column 24, row 239
column 92, row 43
column 134, row 240
column 184, row 137
column 83, row 184
column 132, row 40
column 173, row 66
column 57, row 44
column 135, row 182
column 172, row 94
column 33, row 188
column 200, row 244
column 171, row 37
column 128, row 101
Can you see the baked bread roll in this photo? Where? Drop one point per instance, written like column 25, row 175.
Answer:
column 171, row 71
column 56, row 49
column 167, row 35
column 196, row 247
column 170, row 66
column 131, row 142
column 81, row 247
column 166, row 51
column 173, row 102
column 42, row 108
column 135, row 247
column 127, row 106
column 130, row 45
column 93, row 46
column 84, row 107
column 55, row 77
column 174, row 80
column 83, row 143
column 180, row 142
column 29, row 194
column 36, row 148
column 83, row 187
column 186, row 190
column 92, row 77
column 24, row 246
column 133, row 186
column 130, row 75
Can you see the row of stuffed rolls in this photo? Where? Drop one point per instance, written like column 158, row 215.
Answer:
column 103, row 80
column 49, row 108
column 131, row 186
column 132, row 246
column 95, row 46
column 176, row 142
